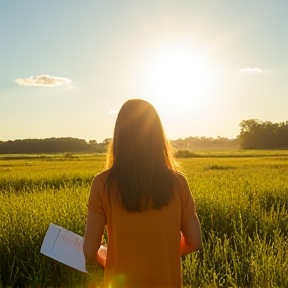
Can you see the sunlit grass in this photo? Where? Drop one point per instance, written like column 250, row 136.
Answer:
column 241, row 203
column 243, row 213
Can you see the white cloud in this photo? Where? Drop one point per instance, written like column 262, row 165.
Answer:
column 113, row 112
column 251, row 70
column 44, row 81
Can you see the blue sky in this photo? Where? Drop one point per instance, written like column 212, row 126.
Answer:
column 68, row 66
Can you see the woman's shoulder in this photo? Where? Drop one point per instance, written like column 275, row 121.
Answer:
column 102, row 177
column 180, row 183
column 179, row 177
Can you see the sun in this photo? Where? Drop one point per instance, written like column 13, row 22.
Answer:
column 179, row 75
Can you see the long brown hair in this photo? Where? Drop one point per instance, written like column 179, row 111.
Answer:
column 140, row 161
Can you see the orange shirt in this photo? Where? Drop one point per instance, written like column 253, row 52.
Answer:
column 143, row 247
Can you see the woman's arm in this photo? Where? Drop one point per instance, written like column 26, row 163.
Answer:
column 191, row 239
column 92, row 239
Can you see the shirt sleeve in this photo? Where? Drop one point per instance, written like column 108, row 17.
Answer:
column 187, row 201
column 96, row 200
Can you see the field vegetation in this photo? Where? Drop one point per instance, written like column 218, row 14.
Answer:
column 242, row 203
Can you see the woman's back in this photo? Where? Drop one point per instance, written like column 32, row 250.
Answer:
column 143, row 247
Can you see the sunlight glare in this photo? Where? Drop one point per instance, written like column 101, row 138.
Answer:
column 179, row 75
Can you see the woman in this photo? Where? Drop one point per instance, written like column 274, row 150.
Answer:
column 146, row 206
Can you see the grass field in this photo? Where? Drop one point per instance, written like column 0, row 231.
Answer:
column 242, row 203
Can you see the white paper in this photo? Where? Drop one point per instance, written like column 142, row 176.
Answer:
column 64, row 246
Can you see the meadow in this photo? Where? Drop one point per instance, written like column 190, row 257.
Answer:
column 242, row 204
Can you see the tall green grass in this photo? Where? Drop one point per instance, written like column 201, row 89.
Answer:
column 241, row 203
column 243, row 208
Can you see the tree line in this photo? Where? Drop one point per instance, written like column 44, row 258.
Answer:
column 52, row 145
column 75, row 145
column 257, row 134
column 205, row 143
column 254, row 134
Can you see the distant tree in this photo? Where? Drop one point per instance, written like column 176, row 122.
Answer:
column 92, row 142
column 107, row 141
column 255, row 134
